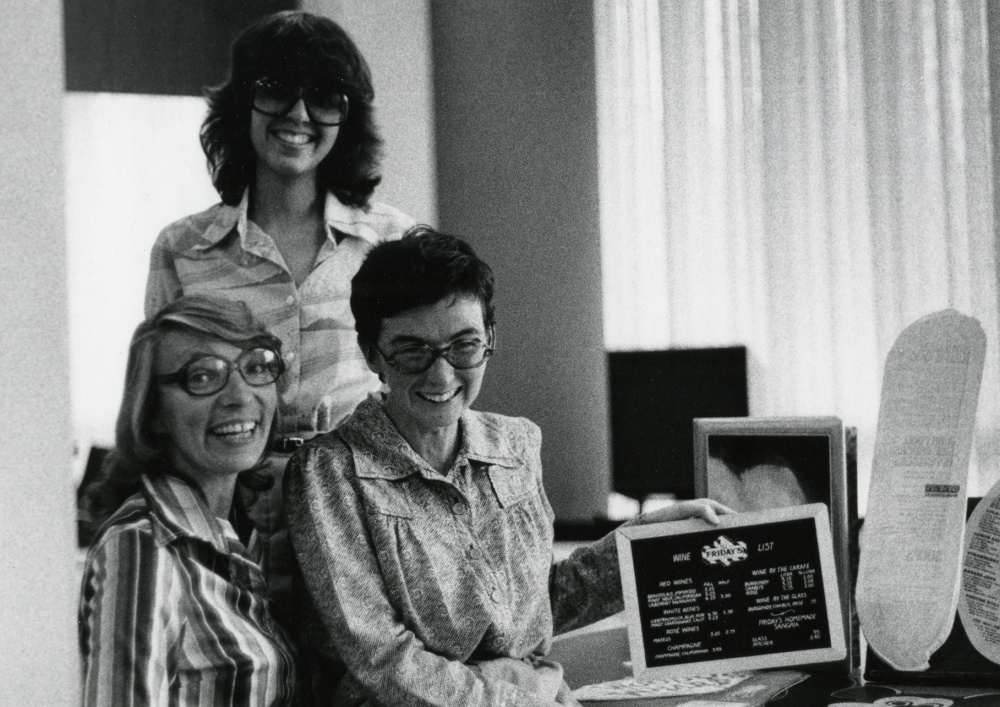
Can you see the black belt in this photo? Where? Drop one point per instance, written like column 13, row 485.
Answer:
column 287, row 445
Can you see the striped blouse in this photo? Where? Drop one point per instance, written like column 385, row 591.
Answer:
column 173, row 609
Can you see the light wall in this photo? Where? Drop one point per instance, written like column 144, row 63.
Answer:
column 394, row 37
column 38, row 587
column 133, row 165
column 517, row 175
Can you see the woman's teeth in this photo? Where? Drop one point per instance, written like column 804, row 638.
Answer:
column 438, row 397
column 292, row 138
column 234, row 429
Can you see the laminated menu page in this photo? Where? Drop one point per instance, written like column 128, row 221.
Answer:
column 911, row 544
column 979, row 599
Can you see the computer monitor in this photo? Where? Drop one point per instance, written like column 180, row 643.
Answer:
column 654, row 398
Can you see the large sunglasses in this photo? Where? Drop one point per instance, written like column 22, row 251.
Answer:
column 418, row 358
column 325, row 105
column 206, row 375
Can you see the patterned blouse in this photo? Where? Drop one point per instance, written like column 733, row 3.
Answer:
column 173, row 609
column 421, row 580
column 222, row 251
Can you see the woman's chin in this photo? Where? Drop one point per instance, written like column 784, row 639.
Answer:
column 241, row 453
column 436, row 415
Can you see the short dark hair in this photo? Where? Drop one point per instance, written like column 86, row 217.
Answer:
column 422, row 268
column 297, row 47
column 138, row 449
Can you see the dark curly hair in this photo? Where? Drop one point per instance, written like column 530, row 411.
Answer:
column 295, row 47
column 421, row 268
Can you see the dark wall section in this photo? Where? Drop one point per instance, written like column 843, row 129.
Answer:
column 172, row 47
column 516, row 133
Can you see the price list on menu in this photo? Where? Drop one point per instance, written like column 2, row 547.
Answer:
column 731, row 593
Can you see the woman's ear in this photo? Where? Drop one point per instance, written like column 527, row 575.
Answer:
column 371, row 359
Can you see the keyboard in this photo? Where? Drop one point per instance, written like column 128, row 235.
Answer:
column 631, row 689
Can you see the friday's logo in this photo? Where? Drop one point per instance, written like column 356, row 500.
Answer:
column 724, row 552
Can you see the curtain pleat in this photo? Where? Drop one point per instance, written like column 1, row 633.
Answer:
column 805, row 177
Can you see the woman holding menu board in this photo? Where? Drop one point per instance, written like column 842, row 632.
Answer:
column 422, row 527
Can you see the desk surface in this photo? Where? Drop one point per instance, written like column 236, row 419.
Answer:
column 599, row 652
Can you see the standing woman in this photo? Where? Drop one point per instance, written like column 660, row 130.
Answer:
column 173, row 608
column 294, row 154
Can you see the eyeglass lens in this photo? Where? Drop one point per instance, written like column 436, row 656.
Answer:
column 210, row 374
column 325, row 105
column 461, row 355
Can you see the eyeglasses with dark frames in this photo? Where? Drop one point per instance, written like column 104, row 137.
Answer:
column 325, row 105
column 418, row 358
column 205, row 375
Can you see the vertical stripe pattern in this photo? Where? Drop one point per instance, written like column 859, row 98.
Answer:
column 173, row 610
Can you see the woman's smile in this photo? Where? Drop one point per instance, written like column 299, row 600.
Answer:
column 241, row 431
column 216, row 435
column 293, row 138
column 438, row 398
column 290, row 144
column 431, row 402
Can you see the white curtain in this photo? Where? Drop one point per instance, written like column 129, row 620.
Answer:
column 802, row 177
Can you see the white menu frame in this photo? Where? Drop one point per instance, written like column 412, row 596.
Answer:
column 779, row 658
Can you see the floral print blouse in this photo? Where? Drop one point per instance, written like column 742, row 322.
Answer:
column 422, row 580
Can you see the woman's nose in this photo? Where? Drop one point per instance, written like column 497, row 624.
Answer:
column 237, row 390
column 298, row 111
column 441, row 370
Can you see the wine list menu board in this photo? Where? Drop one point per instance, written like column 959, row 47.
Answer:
column 757, row 591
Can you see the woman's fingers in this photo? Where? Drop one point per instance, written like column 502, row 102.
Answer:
column 720, row 508
column 704, row 508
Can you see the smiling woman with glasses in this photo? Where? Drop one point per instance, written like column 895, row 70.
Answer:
column 421, row 527
column 173, row 608
column 294, row 153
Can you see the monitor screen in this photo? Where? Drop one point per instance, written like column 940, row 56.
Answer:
column 654, row 398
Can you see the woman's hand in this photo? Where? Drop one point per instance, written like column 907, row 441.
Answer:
column 704, row 508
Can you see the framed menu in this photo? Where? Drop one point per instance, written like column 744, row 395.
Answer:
column 757, row 591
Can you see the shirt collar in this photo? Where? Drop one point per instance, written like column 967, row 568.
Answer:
column 179, row 510
column 348, row 219
column 226, row 219
column 389, row 455
column 337, row 216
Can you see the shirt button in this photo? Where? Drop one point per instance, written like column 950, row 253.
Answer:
column 459, row 509
column 290, row 299
column 475, row 553
column 495, row 596
column 290, row 356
